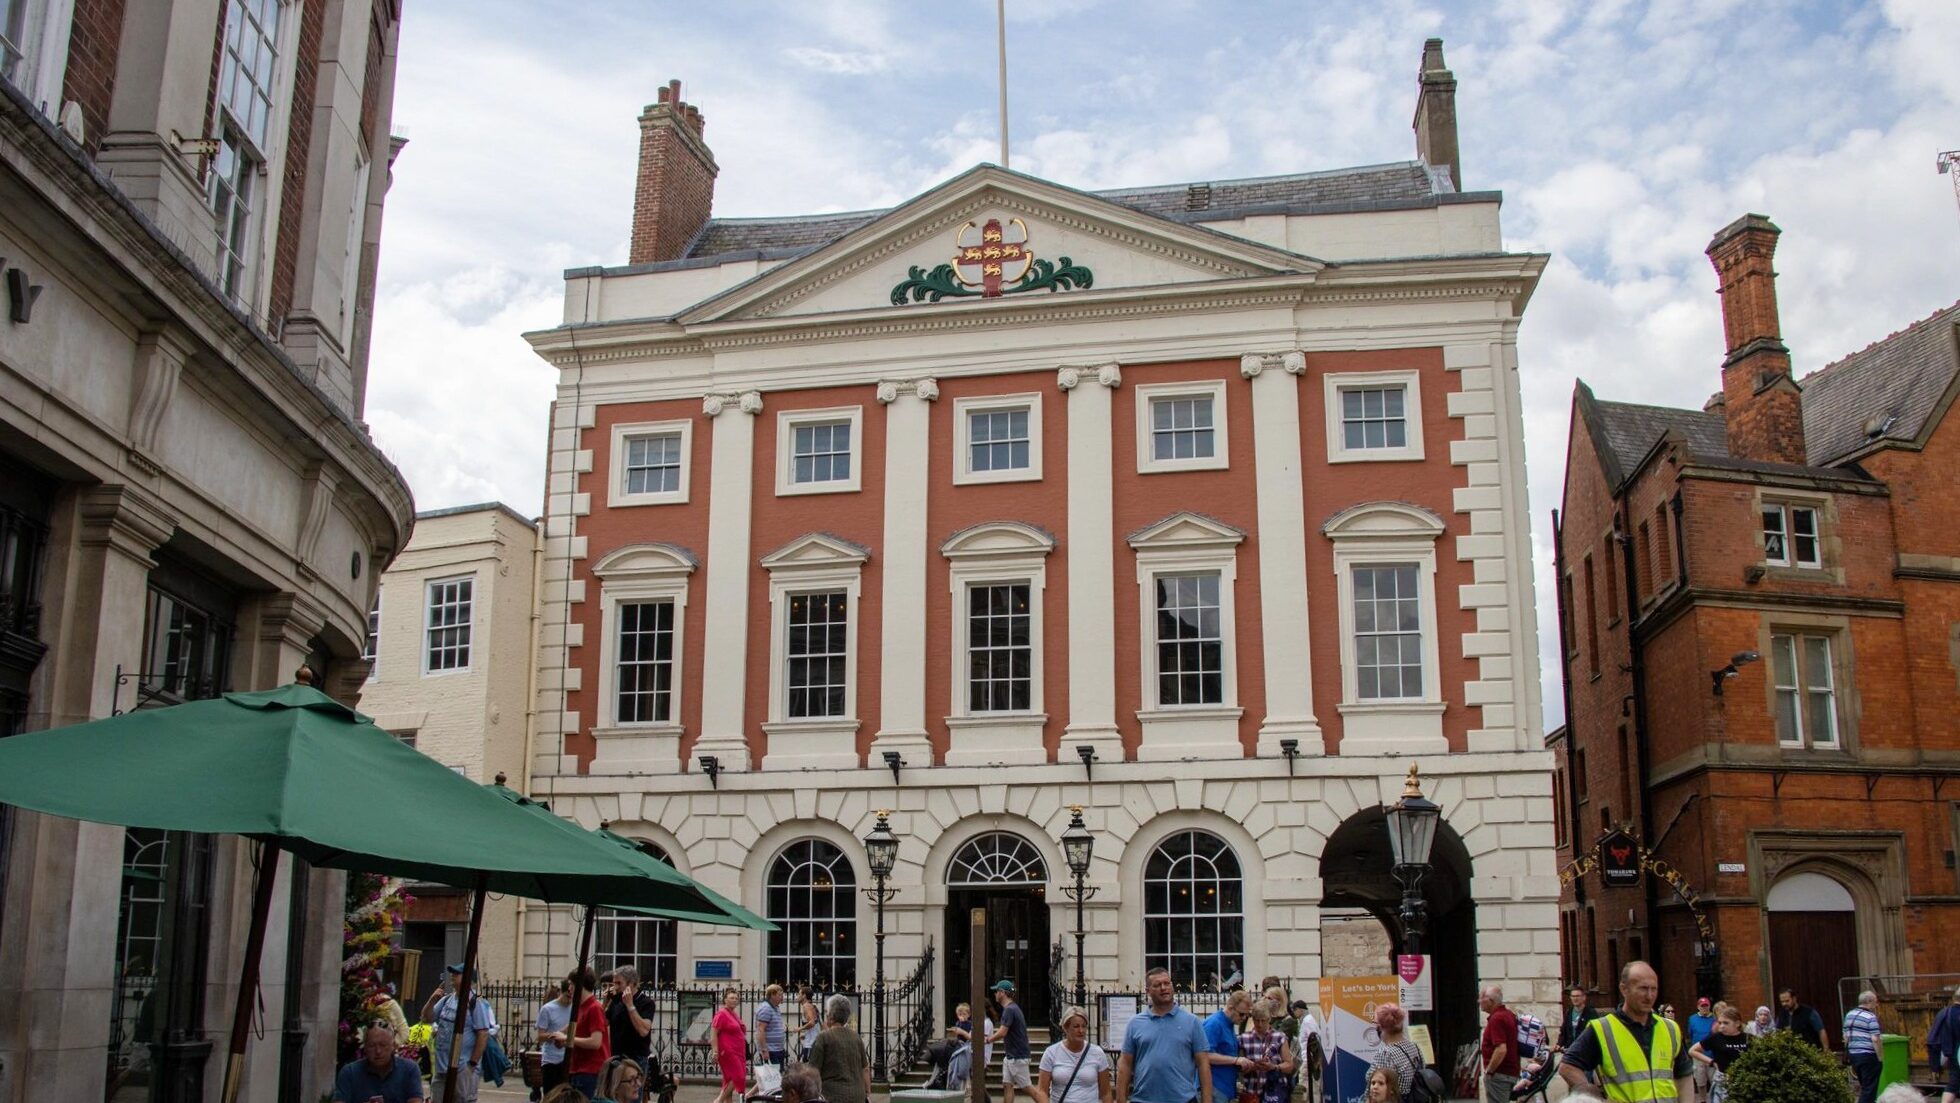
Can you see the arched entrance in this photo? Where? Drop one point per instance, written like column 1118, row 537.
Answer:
column 1003, row 873
column 1356, row 872
column 1813, row 938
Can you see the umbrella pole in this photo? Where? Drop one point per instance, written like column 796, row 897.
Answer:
column 464, row 994
column 585, row 936
column 248, row 983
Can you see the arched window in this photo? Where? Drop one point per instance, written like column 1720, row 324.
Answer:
column 997, row 858
column 643, row 942
column 1193, row 910
column 813, row 902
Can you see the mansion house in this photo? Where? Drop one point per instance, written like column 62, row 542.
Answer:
column 1200, row 507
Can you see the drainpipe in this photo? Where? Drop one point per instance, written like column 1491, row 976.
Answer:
column 1637, row 668
column 531, row 705
column 1573, row 826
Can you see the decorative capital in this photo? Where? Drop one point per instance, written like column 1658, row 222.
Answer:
column 713, row 404
column 889, row 390
column 1110, row 375
column 1251, row 364
column 751, row 402
column 748, row 402
column 1067, row 378
column 1295, row 362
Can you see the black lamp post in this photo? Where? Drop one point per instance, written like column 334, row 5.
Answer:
column 1078, row 845
column 881, row 854
column 1411, row 832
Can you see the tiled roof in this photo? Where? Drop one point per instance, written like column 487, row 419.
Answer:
column 1886, row 390
column 1630, row 431
column 1400, row 182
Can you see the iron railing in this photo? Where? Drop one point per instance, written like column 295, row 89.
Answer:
column 683, row 1039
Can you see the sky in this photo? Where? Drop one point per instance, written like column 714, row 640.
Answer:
column 1622, row 133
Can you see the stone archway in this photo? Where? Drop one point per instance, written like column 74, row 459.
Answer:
column 1793, row 872
column 1356, row 873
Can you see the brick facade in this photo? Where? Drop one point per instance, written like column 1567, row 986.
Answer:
column 90, row 80
column 299, row 144
column 1672, row 680
column 675, row 189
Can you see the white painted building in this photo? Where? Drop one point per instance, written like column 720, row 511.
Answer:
column 1212, row 522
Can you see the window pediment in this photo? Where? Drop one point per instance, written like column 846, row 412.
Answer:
column 816, row 550
column 997, row 538
column 644, row 561
column 1185, row 529
column 1383, row 520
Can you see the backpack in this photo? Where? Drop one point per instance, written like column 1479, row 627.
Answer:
column 1427, row 1088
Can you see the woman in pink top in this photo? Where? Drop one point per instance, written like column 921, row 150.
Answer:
column 731, row 1049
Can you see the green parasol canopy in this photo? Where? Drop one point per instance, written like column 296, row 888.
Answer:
column 720, row 909
column 303, row 772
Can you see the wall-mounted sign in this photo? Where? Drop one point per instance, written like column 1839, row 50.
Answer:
column 714, row 970
column 1418, row 990
column 1619, row 861
column 986, row 263
column 1730, row 867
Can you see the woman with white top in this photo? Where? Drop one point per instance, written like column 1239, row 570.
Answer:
column 1073, row 1070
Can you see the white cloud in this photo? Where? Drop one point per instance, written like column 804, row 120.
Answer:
column 1623, row 132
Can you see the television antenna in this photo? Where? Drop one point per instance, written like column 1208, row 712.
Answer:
column 1948, row 164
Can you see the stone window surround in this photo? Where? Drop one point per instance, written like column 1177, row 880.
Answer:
column 1844, row 670
column 1409, row 379
column 628, row 575
column 616, row 492
column 1146, row 394
column 996, row 551
column 1828, row 566
column 816, row 563
column 786, row 423
column 963, row 408
column 1388, row 532
column 1187, row 543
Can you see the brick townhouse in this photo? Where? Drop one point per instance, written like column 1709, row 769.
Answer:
column 1760, row 608
column 191, row 198
column 1198, row 505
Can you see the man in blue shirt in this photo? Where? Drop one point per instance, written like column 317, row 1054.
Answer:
column 379, row 1074
column 1222, row 1040
column 1164, row 1052
column 478, row 1025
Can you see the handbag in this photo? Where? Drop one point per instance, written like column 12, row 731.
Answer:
column 1079, row 1062
column 768, row 1080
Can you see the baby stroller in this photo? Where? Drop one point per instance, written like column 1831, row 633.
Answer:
column 952, row 1063
column 1536, row 1079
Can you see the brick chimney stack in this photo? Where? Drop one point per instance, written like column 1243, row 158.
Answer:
column 1436, row 113
column 676, row 187
column 1760, row 401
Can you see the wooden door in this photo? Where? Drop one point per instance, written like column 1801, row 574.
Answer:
column 1017, row 930
column 1808, row 953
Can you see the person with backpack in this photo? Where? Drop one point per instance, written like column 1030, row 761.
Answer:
column 1399, row 1054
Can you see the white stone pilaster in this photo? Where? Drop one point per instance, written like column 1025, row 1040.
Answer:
column 1282, row 554
column 724, row 654
column 902, row 650
column 1091, row 563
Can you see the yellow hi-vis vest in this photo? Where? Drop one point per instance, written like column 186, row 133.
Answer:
column 1625, row 1073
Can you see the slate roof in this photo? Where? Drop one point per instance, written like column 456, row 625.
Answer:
column 1631, row 431
column 1893, row 385
column 1399, row 183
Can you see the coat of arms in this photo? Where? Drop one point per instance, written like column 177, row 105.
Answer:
column 985, row 263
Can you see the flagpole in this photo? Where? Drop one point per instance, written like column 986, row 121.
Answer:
column 1000, row 23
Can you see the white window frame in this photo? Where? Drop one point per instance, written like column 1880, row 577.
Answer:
column 786, row 424
column 1182, row 544
column 963, row 411
column 1787, row 512
column 1335, row 383
column 616, row 492
column 817, row 563
column 43, row 46
column 988, row 554
column 255, row 153
column 1378, row 534
column 1150, row 393
column 428, row 611
column 631, row 575
column 371, row 646
column 1805, row 693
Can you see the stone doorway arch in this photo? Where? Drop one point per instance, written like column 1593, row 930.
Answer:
column 1795, row 873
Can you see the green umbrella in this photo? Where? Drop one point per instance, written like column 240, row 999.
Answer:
column 300, row 771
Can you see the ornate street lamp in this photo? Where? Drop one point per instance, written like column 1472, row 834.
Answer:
column 1411, row 832
column 881, row 854
column 1078, row 846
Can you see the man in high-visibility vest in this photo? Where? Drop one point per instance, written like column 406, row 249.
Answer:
column 1631, row 1054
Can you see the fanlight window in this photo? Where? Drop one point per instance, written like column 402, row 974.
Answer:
column 997, row 858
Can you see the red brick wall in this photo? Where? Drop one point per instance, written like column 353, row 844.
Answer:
column 94, row 40
column 299, row 145
column 675, row 189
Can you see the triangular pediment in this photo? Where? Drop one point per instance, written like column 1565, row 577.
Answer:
column 1187, row 530
column 1095, row 246
column 816, row 549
